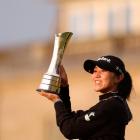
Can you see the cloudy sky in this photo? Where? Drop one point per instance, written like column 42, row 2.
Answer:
column 26, row 20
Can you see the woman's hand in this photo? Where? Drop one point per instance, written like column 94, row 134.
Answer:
column 64, row 82
column 51, row 96
column 63, row 76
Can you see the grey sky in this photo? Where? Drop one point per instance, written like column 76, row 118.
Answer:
column 26, row 20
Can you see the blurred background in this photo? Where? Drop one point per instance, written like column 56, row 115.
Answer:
column 27, row 29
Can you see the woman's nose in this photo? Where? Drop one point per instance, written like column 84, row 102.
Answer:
column 96, row 75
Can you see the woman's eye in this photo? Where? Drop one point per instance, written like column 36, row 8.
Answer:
column 94, row 71
column 104, row 70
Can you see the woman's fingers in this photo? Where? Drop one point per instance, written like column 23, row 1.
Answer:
column 51, row 96
column 63, row 75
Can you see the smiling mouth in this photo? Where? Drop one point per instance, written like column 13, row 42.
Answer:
column 97, row 82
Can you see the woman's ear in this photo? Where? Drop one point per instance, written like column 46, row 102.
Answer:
column 120, row 78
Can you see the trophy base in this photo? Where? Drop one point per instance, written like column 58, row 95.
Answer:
column 50, row 89
column 50, row 83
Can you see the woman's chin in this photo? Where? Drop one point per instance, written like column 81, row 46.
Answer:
column 97, row 89
column 100, row 90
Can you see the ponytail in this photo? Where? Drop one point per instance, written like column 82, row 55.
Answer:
column 125, row 86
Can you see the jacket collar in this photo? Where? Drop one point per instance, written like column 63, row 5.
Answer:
column 107, row 95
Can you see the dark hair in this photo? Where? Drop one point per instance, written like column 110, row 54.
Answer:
column 125, row 86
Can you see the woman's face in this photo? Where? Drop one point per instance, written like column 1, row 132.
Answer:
column 104, row 81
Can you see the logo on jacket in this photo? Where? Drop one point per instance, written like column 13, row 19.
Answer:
column 88, row 116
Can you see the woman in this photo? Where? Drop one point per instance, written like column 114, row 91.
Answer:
column 107, row 119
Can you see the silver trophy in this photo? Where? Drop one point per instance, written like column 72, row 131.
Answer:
column 51, row 79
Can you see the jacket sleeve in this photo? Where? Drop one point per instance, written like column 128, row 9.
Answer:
column 64, row 96
column 81, row 124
